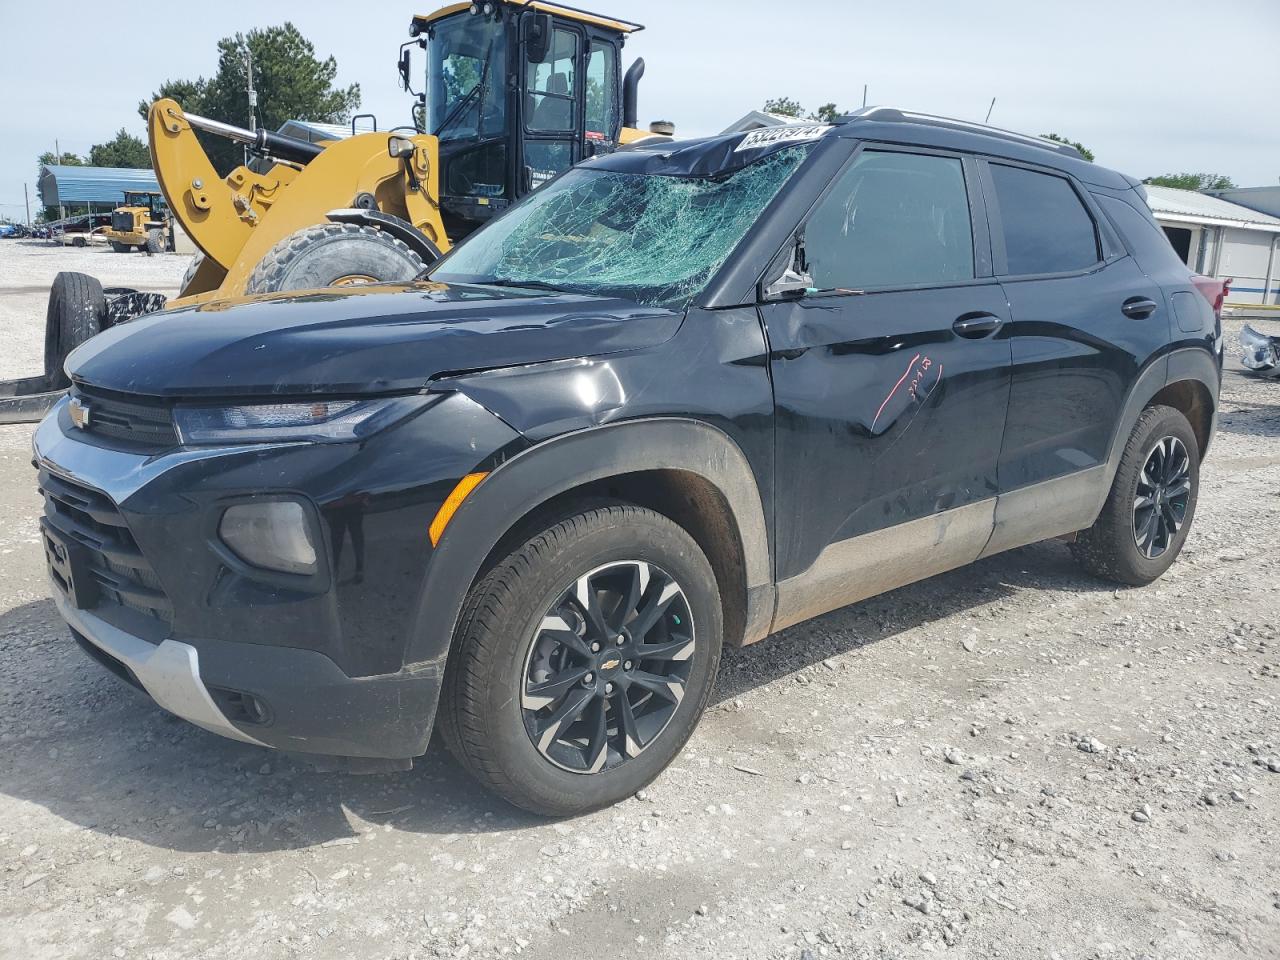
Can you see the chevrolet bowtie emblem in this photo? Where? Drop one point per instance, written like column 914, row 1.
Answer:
column 78, row 410
column 610, row 663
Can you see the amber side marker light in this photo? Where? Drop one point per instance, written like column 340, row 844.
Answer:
column 451, row 505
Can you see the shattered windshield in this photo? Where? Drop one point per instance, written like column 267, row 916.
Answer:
column 655, row 239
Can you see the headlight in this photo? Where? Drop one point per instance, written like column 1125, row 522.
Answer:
column 326, row 421
column 1259, row 350
column 274, row 535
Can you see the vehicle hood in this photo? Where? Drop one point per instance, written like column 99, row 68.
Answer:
column 357, row 340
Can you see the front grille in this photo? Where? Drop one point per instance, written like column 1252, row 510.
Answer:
column 122, row 222
column 146, row 424
column 119, row 572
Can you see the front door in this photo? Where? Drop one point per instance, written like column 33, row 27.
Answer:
column 891, row 382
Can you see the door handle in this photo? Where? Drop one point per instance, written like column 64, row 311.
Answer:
column 1139, row 308
column 975, row 326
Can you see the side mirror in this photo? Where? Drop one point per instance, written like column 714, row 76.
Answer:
column 795, row 280
column 404, row 66
column 535, row 34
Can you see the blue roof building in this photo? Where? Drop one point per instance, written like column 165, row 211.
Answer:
column 95, row 186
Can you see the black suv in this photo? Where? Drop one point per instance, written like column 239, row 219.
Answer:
column 682, row 396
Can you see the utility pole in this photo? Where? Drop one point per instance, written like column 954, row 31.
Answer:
column 253, row 96
column 26, row 200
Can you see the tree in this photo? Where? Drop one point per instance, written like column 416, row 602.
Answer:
column 292, row 84
column 1192, row 181
column 124, row 150
column 784, row 106
column 49, row 158
column 1084, row 151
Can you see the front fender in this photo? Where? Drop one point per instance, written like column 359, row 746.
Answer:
column 534, row 476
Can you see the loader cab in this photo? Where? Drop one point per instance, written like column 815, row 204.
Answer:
column 516, row 94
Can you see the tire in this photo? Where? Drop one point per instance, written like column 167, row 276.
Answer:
column 155, row 242
column 119, row 247
column 334, row 254
column 75, row 313
column 489, row 715
column 1111, row 548
column 193, row 268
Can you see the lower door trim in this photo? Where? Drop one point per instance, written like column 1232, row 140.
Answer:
column 873, row 563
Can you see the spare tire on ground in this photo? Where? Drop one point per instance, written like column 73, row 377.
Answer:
column 76, row 311
column 334, row 255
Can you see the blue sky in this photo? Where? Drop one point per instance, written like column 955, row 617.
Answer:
column 1149, row 86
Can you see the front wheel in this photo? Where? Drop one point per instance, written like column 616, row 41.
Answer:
column 1148, row 513
column 334, row 255
column 583, row 661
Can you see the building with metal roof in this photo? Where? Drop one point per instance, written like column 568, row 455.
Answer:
column 95, row 187
column 1262, row 199
column 1219, row 238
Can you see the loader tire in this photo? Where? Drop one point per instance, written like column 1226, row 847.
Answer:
column 155, row 242
column 76, row 311
column 119, row 247
column 197, row 260
column 334, row 255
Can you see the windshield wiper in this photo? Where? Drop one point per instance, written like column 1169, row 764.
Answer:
column 531, row 284
column 480, row 88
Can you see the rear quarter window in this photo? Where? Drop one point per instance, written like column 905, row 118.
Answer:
column 1047, row 228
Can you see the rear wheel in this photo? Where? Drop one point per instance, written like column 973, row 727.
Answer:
column 119, row 247
column 1148, row 513
column 155, row 241
column 583, row 661
column 334, row 255
column 75, row 313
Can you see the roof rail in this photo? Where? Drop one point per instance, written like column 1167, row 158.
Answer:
column 894, row 115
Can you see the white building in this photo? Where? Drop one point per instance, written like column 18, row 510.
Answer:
column 1219, row 238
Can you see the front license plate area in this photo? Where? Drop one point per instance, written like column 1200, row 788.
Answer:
column 69, row 564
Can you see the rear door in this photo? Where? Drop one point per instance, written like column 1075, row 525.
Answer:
column 891, row 383
column 1084, row 320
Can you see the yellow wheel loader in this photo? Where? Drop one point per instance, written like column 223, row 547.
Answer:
column 142, row 223
column 516, row 92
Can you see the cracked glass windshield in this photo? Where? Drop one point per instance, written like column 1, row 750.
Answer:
column 655, row 239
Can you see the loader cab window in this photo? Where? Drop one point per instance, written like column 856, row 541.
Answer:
column 551, row 86
column 467, row 78
column 602, row 91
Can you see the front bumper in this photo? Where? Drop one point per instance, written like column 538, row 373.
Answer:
column 169, row 671
column 315, row 667
column 306, row 704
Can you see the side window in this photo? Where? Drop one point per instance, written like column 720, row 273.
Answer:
column 892, row 219
column 602, row 95
column 1046, row 227
column 550, row 85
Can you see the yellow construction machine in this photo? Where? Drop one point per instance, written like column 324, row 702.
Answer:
column 516, row 91
column 142, row 223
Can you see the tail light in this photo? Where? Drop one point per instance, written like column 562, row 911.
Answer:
column 1215, row 291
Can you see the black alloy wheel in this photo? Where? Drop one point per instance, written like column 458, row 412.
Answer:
column 607, row 666
column 583, row 659
column 1164, row 489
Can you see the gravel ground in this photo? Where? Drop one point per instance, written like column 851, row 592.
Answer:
column 1011, row 760
column 27, row 267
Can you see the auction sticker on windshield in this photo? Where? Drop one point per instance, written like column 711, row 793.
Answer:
column 768, row 136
